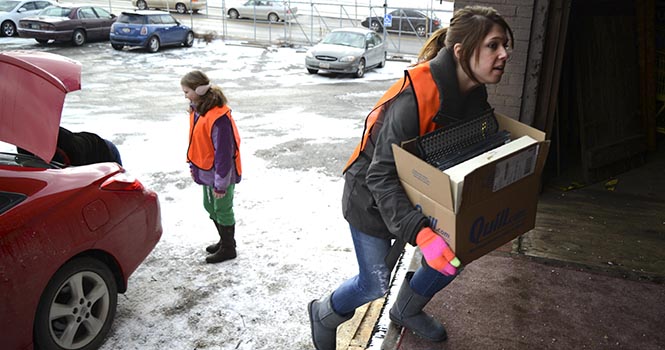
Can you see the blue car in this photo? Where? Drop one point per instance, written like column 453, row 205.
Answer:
column 149, row 29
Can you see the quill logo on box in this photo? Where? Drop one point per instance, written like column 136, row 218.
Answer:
column 483, row 228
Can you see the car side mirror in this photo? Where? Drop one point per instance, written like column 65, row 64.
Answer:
column 22, row 9
column 370, row 45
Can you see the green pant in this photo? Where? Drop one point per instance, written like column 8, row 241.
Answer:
column 220, row 209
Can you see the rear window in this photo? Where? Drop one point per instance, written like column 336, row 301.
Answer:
column 56, row 11
column 130, row 18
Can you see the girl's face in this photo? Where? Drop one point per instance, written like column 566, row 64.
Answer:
column 190, row 94
column 493, row 54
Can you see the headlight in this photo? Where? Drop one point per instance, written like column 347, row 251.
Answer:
column 347, row 59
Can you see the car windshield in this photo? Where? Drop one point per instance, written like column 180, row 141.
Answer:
column 345, row 39
column 6, row 6
column 131, row 19
column 56, row 11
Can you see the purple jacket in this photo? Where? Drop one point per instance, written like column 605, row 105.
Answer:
column 223, row 172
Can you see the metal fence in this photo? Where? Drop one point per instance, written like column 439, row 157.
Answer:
column 312, row 21
column 408, row 28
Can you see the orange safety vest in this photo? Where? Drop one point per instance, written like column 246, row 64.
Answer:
column 201, row 151
column 427, row 100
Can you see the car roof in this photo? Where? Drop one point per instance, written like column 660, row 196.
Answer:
column 353, row 30
column 145, row 12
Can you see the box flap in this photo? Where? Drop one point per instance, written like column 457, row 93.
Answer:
column 518, row 129
column 423, row 177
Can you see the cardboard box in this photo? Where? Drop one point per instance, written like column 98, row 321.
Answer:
column 497, row 204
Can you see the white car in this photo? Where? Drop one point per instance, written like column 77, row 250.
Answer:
column 11, row 11
column 347, row 50
column 180, row 6
column 272, row 11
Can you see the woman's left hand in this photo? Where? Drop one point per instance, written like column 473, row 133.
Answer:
column 218, row 195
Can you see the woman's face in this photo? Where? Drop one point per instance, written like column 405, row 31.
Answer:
column 492, row 57
column 190, row 94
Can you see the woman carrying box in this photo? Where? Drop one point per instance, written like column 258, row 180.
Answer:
column 447, row 85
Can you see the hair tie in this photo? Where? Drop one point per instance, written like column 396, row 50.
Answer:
column 202, row 89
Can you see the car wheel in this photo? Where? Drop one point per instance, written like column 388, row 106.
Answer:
column 153, row 44
column 141, row 5
column 181, row 8
column 383, row 61
column 233, row 13
column 77, row 307
column 8, row 28
column 376, row 26
column 117, row 46
column 42, row 41
column 272, row 17
column 420, row 30
column 78, row 38
column 361, row 69
column 312, row 71
column 189, row 39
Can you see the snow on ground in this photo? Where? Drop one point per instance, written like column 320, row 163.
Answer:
column 293, row 244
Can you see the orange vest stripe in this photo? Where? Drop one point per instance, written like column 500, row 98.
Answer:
column 427, row 100
column 201, row 151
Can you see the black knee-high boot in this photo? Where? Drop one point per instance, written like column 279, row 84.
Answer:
column 408, row 312
column 213, row 248
column 324, row 321
column 227, row 246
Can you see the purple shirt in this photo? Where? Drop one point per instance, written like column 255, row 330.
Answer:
column 223, row 172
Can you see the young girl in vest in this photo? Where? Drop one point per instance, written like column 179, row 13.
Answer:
column 447, row 85
column 214, row 158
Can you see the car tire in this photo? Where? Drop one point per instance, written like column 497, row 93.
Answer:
column 233, row 14
column 153, row 44
column 181, row 8
column 67, row 320
column 312, row 71
column 376, row 26
column 117, row 46
column 141, row 5
column 78, row 38
column 273, row 17
column 383, row 61
column 360, row 72
column 189, row 39
column 8, row 28
column 420, row 30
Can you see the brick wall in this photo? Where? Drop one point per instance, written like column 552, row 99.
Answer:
column 507, row 96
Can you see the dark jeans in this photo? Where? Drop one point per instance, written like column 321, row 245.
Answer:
column 373, row 279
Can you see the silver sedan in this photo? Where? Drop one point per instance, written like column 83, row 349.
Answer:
column 347, row 50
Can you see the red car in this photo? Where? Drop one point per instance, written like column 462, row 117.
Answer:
column 70, row 237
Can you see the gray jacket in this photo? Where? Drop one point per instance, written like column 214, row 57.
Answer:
column 374, row 201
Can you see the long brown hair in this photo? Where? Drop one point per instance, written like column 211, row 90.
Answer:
column 468, row 27
column 212, row 97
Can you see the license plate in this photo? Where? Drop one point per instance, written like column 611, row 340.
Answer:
column 34, row 26
column 126, row 30
column 324, row 65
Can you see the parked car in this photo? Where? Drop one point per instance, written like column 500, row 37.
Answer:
column 150, row 29
column 180, row 6
column 405, row 21
column 273, row 11
column 11, row 11
column 347, row 50
column 70, row 237
column 77, row 24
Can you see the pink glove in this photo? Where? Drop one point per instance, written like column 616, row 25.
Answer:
column 437, row 253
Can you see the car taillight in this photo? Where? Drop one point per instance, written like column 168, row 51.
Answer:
column 437, row 22
column 122, row 182
column 144, row 30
